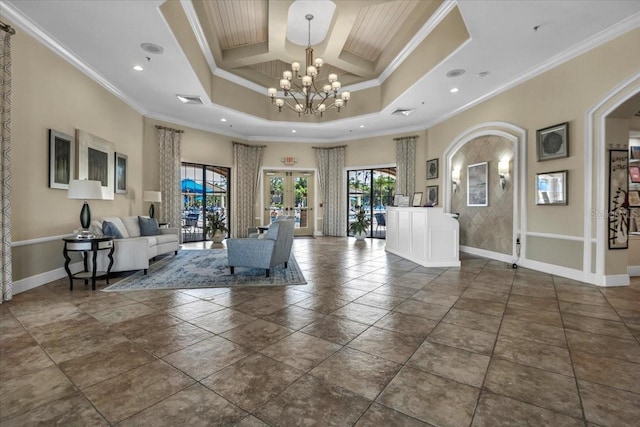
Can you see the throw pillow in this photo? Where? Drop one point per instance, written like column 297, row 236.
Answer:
column 148, row 226
column 110, row 229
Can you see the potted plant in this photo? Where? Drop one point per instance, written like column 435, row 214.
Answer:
column 361, row 225
column 216, row 227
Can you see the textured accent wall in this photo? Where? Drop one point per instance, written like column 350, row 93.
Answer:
column 487, row 227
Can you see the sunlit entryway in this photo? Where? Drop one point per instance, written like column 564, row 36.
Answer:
column 205, row 190
column 373, row 189
column 289, row 193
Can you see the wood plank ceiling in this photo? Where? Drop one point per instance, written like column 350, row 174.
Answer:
column 238, row 33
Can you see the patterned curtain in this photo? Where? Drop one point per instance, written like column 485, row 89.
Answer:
column 405, row 164
column 244, row 187
column 5, row 161
column 170, row 163
column 331, row 177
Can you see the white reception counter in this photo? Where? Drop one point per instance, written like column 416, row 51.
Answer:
column 426, row 236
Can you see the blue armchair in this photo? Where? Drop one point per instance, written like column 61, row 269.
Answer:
column 254, row 232
column 272, row 250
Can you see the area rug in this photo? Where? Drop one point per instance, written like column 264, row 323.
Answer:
column 206, row 269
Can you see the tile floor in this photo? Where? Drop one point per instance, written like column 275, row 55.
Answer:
column 371, row 340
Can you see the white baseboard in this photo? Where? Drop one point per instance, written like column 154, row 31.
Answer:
column 487, row 254
column 616, row 280
column 557, row 270
column 633, row 270
column 27, row 283
column 579, row 275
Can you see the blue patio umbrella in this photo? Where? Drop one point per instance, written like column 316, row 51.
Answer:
column 190, row 186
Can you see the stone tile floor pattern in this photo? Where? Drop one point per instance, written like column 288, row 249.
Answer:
column 371, row 340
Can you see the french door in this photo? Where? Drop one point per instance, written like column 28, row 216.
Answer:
column 373, row 190
column 289, row 193
column 205, row 189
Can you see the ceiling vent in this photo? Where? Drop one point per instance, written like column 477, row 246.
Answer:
column 190, row 99
column 152, row 48
column 403, row 111
column 455, row 73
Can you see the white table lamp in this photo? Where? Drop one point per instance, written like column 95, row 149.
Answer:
column 85, row 190
column 152, row 196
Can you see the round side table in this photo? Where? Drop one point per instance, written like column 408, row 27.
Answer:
column 88, row 247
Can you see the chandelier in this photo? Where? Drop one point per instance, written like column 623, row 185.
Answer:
column 304, row 97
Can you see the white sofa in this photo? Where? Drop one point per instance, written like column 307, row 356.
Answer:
column 134, row 251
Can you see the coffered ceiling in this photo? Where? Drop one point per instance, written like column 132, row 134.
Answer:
column 389, row 54
column 247, row 38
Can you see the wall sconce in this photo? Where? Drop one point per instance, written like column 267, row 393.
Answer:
column 455, row 179
column 503, row 171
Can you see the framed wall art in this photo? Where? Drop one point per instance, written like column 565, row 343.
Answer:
column 618, row 213
column 121, row 173
column 417, row 199
column 61, row 159
column 477, row 180
column 96, row 161
column 432, row 169
column 553, row 142
column 432, row 195
column 551, row 188
column 634, row 199
column 634, row 174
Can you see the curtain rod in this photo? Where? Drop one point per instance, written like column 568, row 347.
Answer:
column 7, row 28
column 329, row 148
column 171, row 129
column 406, row 137
column 248, row 145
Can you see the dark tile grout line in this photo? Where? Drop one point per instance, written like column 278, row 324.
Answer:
column 573, row 367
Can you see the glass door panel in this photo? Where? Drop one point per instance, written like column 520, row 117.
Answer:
column 205, row 189
column 274, row 186
column 303, row 192
column 372, row 189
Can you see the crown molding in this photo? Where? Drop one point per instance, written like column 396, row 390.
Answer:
column 31, row 28
column 418, row 38
column 194, row 125
column 192, row 17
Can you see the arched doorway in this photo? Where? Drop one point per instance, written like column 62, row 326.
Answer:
column 607, row 267
column 515, row 179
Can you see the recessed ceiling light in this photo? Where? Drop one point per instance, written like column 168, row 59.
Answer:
column 293, row 131
column 454, row 90
column 455, row 73
column 361, row 126
column 223, row 120
column 152, row 48
column 483, row 73
column 138, row 68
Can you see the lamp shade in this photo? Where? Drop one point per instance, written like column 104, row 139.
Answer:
column 84, row 189
column 503, row 167
column 152, row 196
